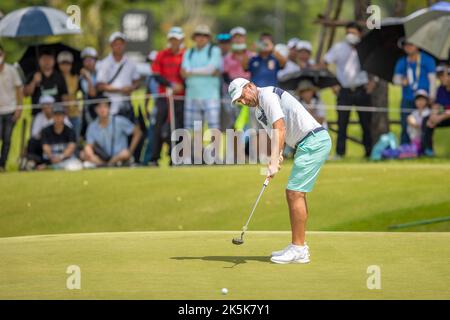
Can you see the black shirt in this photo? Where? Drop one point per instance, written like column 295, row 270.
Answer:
column 54, row 86
column 58, row 142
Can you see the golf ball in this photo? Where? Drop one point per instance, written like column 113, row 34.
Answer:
column 224, row 290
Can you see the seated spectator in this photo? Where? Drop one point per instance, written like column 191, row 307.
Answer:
column 107, row 138
column 307, row 95
column 42, row 120
column 440, row 114
column 415, row 119
column 58, row 143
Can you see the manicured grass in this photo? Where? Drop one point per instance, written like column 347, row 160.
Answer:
column 363, row 197
column 197, row 265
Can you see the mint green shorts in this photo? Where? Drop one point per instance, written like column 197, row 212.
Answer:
column 309, row 157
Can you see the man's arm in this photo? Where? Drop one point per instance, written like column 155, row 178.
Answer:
column 276, row 158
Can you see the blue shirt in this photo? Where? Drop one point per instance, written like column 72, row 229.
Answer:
column 103, row 136
column 202, row 86
column 264, row 71
column 443, row 97
column 419, row 75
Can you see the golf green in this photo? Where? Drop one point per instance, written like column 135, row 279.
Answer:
column 198, row 264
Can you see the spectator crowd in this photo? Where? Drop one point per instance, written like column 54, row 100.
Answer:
column 86, row 119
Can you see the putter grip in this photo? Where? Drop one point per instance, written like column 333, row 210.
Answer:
column 266, row 182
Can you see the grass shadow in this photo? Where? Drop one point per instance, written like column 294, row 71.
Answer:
column 236, row 260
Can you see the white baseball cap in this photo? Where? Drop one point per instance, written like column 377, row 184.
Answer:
column 46, row 100
column 117, row 35
column 303, row 45
column 175, row 32
column 235, row 88
column 292, row 43
column 89, row 52
column 238, row 30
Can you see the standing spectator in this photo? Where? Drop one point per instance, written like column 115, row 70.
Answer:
column 291, row 68
column 11, row 96
column 264, row 68
column 65, row 63
column 167, row 71
column 415, row 119
column 440, row 114
column 304, row 51
column 107, row 138
column 416, row 70
column 87, row 85
column 58, row 142
column 47, row 81
column 201, row 67
column 355, row 87
column 224, row 43
column 234, row 64
column 118, row 77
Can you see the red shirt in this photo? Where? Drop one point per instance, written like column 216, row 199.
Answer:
column 168, row 65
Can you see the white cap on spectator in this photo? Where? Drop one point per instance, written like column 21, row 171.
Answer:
column 441, row 68
column 238, row 30
column 235, row 88
column 65, row 56
column 421, row 93
column 303, row 45
column 46, row 100
column 292, row 43
column 89, row 52
column 202, row 29
column 117, row 35
column 175, row 32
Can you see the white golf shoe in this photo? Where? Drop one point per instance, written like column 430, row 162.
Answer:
column 293, row 254
column 281, row 252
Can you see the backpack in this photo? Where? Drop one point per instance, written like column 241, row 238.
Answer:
column 191, row 51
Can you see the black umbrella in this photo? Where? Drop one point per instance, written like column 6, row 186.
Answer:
column 29, row 64
column 379, row 51
column 321, row 78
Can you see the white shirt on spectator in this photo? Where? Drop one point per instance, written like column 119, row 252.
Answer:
column 348, row 68
column 416, row 133
column 128, row 74
column 41, row 121
column 9, row 81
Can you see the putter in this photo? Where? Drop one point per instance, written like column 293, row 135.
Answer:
column 238, row 241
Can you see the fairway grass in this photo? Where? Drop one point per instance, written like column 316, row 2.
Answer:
column 347, row 197
column 197, row 265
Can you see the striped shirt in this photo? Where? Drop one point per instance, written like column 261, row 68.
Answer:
column 274, row 104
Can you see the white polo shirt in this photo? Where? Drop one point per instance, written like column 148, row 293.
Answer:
column 125, row 78
column 348, row 68
column 274, row 104
column 9, row 81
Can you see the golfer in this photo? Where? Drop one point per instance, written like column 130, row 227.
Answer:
column 277, row 109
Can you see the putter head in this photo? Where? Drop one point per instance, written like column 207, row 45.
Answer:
column 237, row 241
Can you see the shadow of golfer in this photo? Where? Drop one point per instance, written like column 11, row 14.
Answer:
column 236, row 260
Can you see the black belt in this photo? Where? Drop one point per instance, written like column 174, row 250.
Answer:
column 318, row 129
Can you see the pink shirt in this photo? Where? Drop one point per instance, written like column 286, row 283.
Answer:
column 233, row 66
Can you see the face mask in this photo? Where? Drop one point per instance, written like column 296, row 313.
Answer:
column 352, row 38
column 238, row 46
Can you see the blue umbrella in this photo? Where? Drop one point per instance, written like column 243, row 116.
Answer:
column 36, row 21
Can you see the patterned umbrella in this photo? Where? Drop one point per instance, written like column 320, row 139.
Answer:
column 36, row 21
